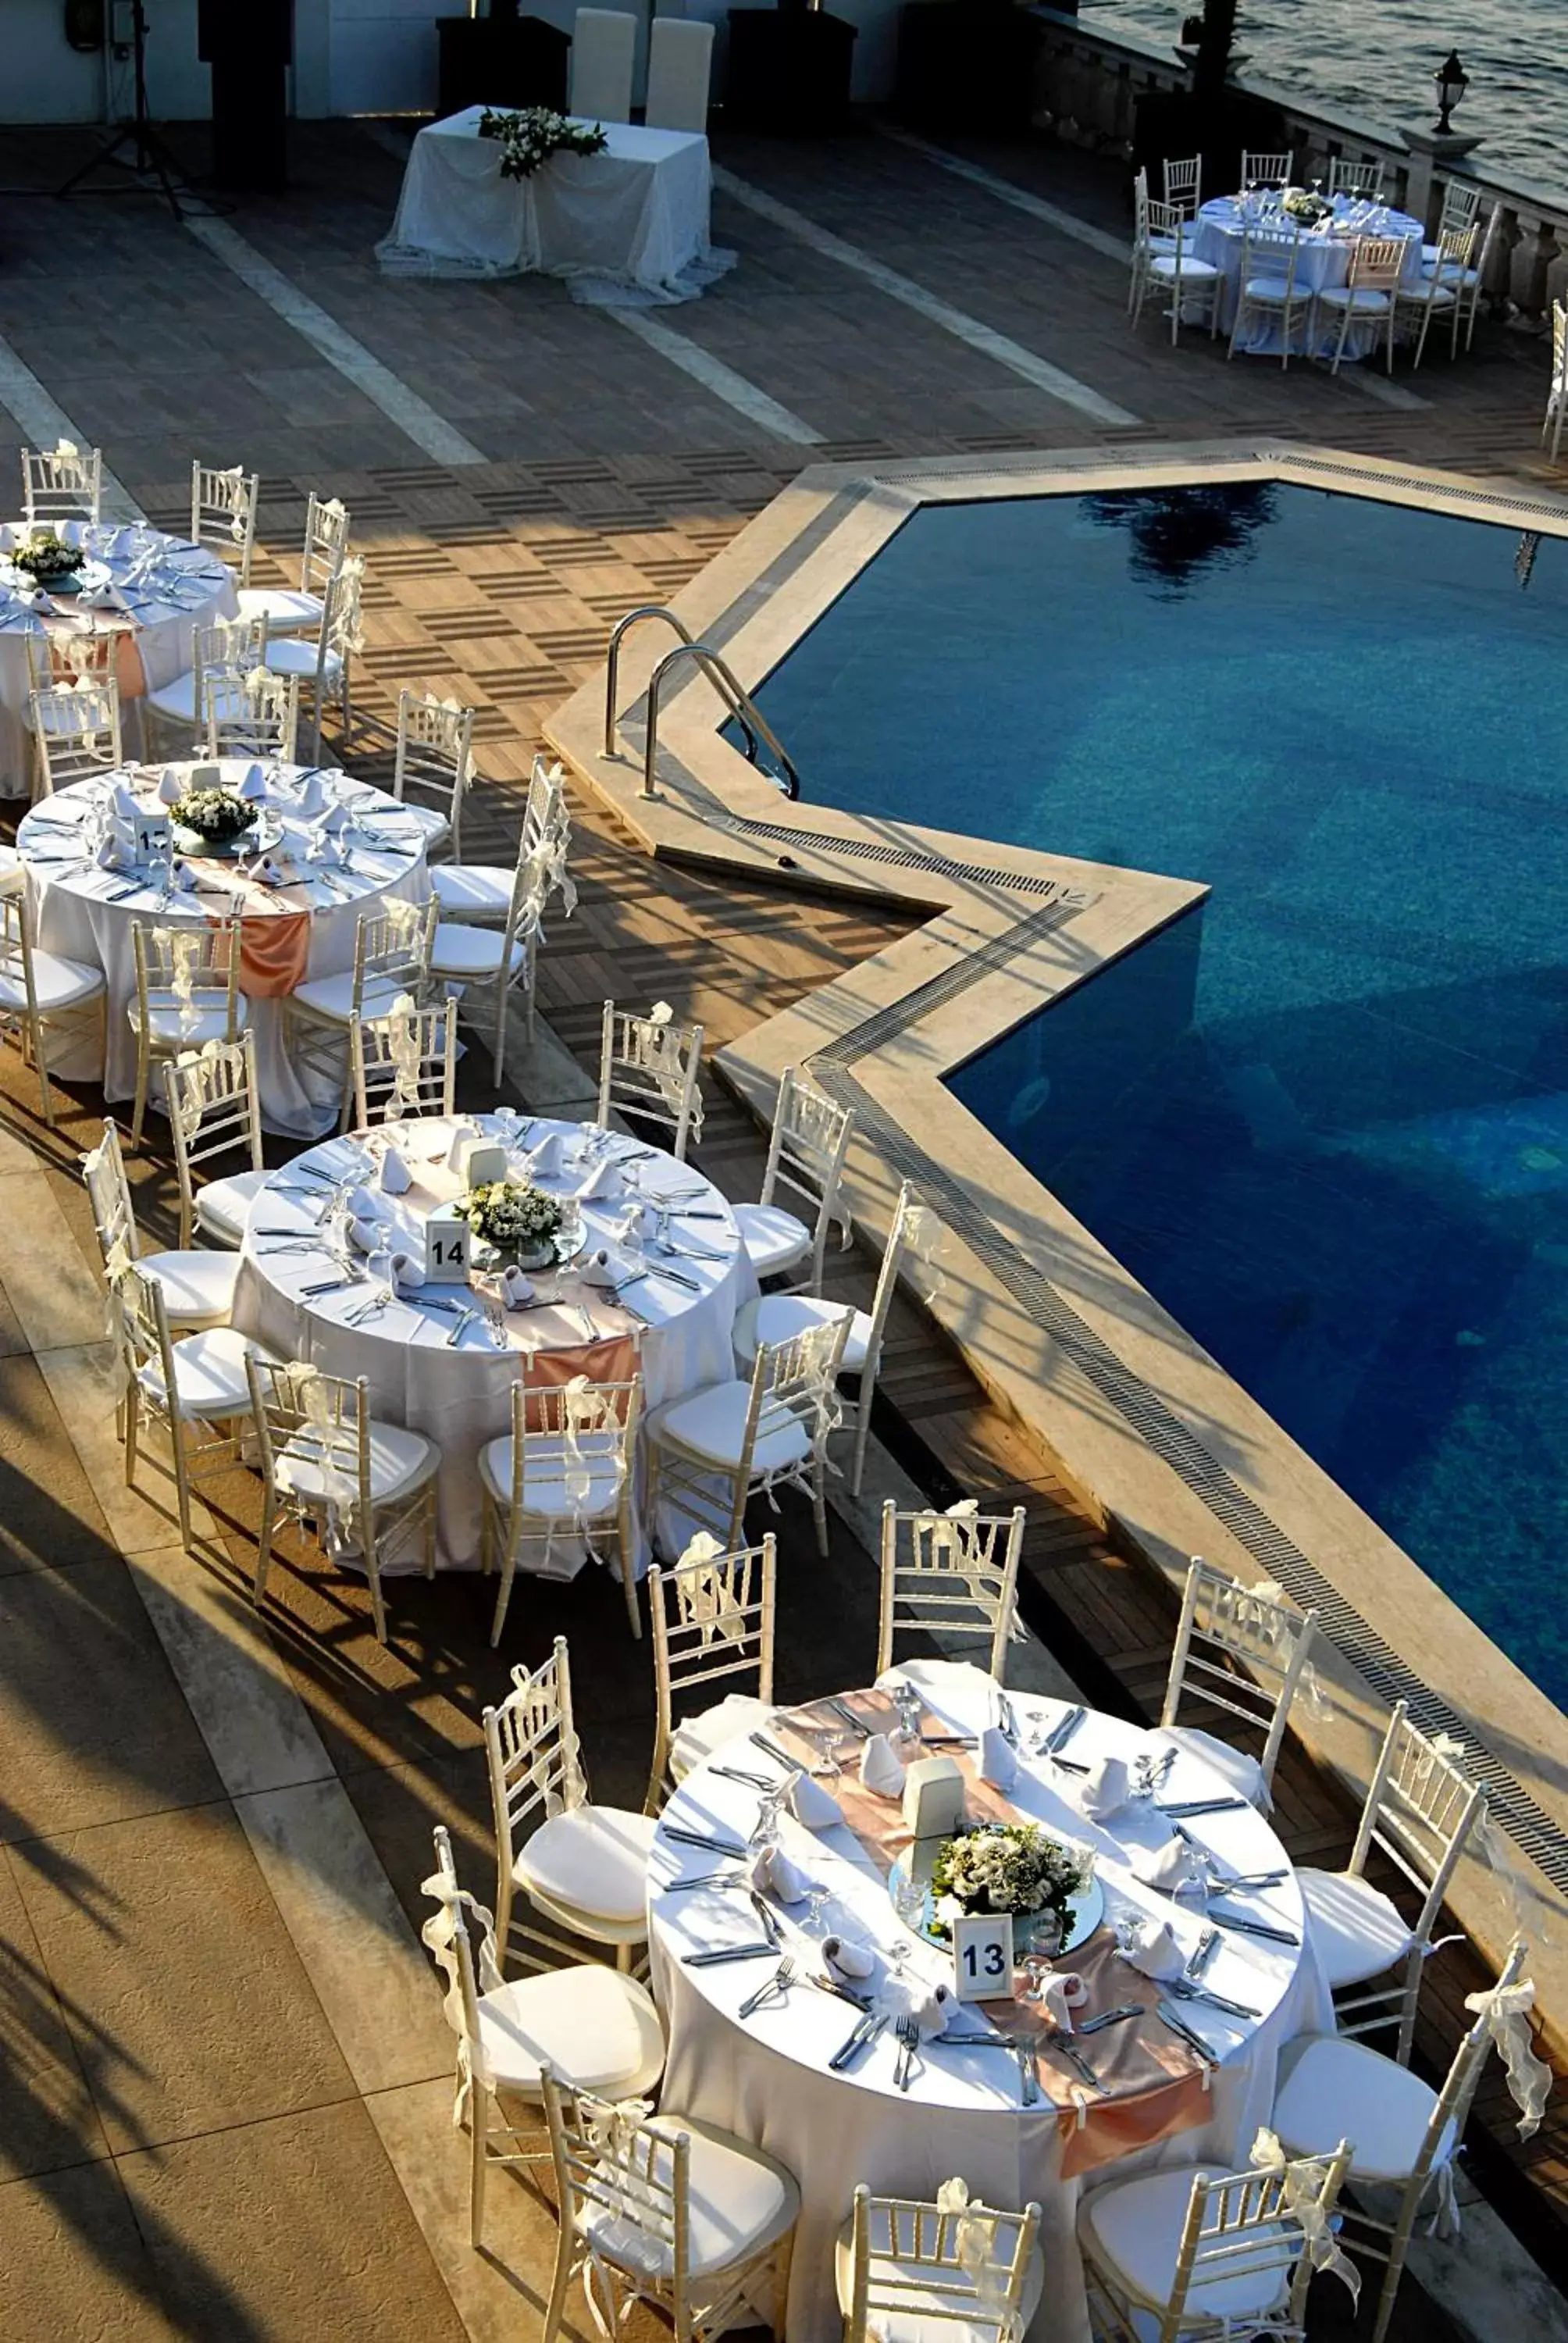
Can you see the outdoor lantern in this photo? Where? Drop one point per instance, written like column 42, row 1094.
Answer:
column 1452, row 84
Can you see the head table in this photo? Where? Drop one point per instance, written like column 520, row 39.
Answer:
column 766, row 2077
column 1322, row 261
column 455, row 1384
column 154, row 587
column 298, row 921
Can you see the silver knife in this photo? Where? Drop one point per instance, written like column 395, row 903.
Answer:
column 1028, row 2078
column 1184, row 1991
column 1254, row 1927
column 1061, row 1732
column 717, row 1959
column 854, row 1723
column 864, row 2034
column 1177, row 2025
column 1075, row 2059
column 1111, row 2017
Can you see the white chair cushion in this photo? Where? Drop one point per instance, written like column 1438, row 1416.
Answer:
column 472, row 890
column 1274, row 289
column 1334, row 2090
column 209, row 1374
column 1199, row 271
column 198, row 1287
column 333, row 996
column 712, row 1424
column 1244, row 1774
column 739, row 2203
column 593, row 1859
column 597, row 2028
column 1432, row 293
column 971, row 1689
column 919, row 2317
column 173, row 1027
column 776, row 1317
column 774, row 1239
column 1356, row 1932
column 291, row 655
column 176, row 699
column 697, row 1737
column 284, row 608
column 469, row 952
column 56, row 984
column 400, row 1461
column 1365, row 297
column 222, row 1206
column 1133, row 2227
column 546, row 1492
column 11, row 870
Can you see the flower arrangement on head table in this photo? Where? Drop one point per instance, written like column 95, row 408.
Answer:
column 512, row 1216
column 1006, row 1867
column 530, row 137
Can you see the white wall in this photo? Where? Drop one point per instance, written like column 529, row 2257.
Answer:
column 383, row 53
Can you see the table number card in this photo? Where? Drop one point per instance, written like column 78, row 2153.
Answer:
column 982, row 1956
column 152, row 833
column 447, row 1238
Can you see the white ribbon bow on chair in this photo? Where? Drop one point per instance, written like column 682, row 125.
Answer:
column 974, row 2240
column 438, row 1937
column 1506, row 2010
column 704, row 1597
column 403, row 1047
column 328, row 1488
column 1301, row 2183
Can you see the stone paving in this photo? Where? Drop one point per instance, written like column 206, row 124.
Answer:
column 224, row 2093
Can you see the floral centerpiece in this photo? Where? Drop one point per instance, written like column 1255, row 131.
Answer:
column 213, row 817
column 520, row 1223
column 48, row 560
column 1304, row 205
column 529, row 138
column 1014, row 1867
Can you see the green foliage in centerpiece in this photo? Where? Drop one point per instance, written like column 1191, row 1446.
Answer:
column 46, row 557
column 1006, row 1867
column 512, row 1216
column 529, row 138
column 1301, row 204
column 216, row 815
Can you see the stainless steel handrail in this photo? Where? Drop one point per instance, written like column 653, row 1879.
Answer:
column 714, row 668
column 739, row 703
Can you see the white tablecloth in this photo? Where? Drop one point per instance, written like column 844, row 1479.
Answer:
column 1323, row 262
column 766, row 2078
column 460, row 1396
column 631, row 221
column 185, row 588
column 83, row 913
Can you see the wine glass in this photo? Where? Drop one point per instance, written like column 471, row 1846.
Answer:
column 909, row 1903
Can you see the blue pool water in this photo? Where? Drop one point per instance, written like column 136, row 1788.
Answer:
column 1325, row 1119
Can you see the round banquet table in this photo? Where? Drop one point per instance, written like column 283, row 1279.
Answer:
column 459, row 1392
column 158, row 586
column 1323, row 262
column 303, row 929
column 766, row 2078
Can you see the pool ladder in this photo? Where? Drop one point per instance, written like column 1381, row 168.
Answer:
column 719, row 674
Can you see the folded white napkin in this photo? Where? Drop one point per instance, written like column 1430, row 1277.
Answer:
column 319, row 848
column 113, row 855
column 407, row 1275
column 171, row 788
column 930, row 2006
column 1173, row 1868
column 606, row 1268
column 636, row 1223
column 811, row 1804
column 394, row 1179
column 773, row 1872
column 881, row 1768
column 1153, row 1951
column 40, row 601
column 312, row 794
column 1062, row 1991
column 334, row 819
column 1106, row 1788
column 363, row 1203
column 253, row 788
column 123, row 797
column 603, row 1182
column 181, row 876
column 464, row 1134
column 269, row 873
column 998, row 1763
column 368, row 1235
column 517, row 1287
column 847, row 1957
column 544, row 1160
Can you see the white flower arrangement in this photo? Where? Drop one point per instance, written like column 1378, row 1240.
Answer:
column 1013, row 1868
column 512, row 1216
column 530, row 137
column 1304, row 205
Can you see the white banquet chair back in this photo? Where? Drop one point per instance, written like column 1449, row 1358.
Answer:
column 469, row 955
column 404, row 1062
column 647, row 1068
column 567, row 1470
column 1461, row 208
column 1438, row 292
column 1263, row 169
column 391, row 958
column 1145, row 243
column 1184, row 185
column 39, row 991
column 196, row 1391
column 1163, row 2251
column 364, row 1485
column 582, row 1865
column 948, row 1576
column 1367, row 297
column 680, row 72
column 909, row 2269
column 291, row 610
column 435, row 752
column 806, row 1156
column 1271, row 258
column 668, row 2212
column 1472, row 282
column 228, row 646
column 62, row 483
column 1420, row 1811
column 222, row 514
column 712, row 1619
column 214, row 1109
column 77, row 727
column 713, row 1449
column 1243, row 1650
column 1171, row 260
column 187, row 992
column 325, row 670
column 1557, row 390
column 604, row 48
column 82, row 651
column 1362, row 177
column 545, row 818
column 198, row 1287
column 253, row 715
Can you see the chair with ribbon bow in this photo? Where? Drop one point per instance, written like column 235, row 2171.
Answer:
column 483, row 890
column 69, row 658
column 1422, row 1809
column 499, row 961
column 198, row 1287
column 1173, row 2255
column 663, row 2209
column 588, row 2023
column 41, row 993
column 214, row 1109
column 77, row 727
column 404, row 1062
column 712, row 1616
column 1243, row 1650
column 324, row 669
column 229, row 647
column 563, row 1475
column 63, row 483
column 774, row 1317
column 222, row 514
column 253, row 715
column 1404, row 2135
column 948, row 1576
column 647, row 1069
column 713, row 1449
column 806, row 1154
column 914, row 2272
column 187, row 994
column 391, row 963
column 196, row 1391
column 297, row 610
column 580, row 1866
column 434, row 752
column 1360, row 177
column 366, row 1486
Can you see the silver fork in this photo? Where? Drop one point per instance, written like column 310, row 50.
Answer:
column 459, row 1327
column 908, row 2034
column 1201, row 1952
column 782, row 1978
column 1029, row 2081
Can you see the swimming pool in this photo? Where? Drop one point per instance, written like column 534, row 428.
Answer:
column 1325, row 1119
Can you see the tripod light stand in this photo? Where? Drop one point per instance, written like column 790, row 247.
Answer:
column 150, row 165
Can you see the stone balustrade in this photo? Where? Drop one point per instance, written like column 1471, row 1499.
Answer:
column 1089, row 81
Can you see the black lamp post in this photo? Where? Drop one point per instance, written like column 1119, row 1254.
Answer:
column 1452, row 81
column 1216, row 39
